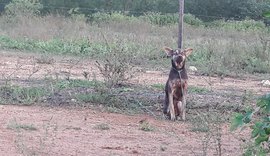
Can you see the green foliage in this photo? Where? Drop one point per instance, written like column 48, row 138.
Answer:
column 195, row 89
column 55, row 46
column 245, row 25
column 207, row 10
column 22, row 95
column 158, row 86
column 155, row 18
column 243, row 47
column 260, row 126
column 193, row 20
column 100, row 17
column 210, row 10
column 23, row 7
column 266, row 14
column 264, row 103
column 161, row 19
column 75, row 83
column 146, row 126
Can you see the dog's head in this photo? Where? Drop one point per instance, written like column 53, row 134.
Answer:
column 178, row 56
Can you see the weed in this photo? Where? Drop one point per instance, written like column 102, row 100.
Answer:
column 102, row 126
column 117, row 67
column 75, row 83
column 199, row 90
column 93, row 98
column 162, row 148
column 73, row 128
column 25, row 146
column 210, row 123
column 200, row 123
column 22, row 95
column 158, row 86
column 146, row 126
column 17, row 126
column 44, row 59
column 14, row 125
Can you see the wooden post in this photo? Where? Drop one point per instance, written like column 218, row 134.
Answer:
column 181, row 22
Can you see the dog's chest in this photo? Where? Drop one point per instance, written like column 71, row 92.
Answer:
column 177, row 83
column 178, row 87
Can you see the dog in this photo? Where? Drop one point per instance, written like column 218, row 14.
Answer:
column 176, row 85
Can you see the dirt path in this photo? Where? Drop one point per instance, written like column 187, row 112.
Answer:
column 15, row 65
column 70, row 131
column 86, row 132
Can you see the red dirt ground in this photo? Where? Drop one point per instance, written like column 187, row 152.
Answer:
column 73, row 131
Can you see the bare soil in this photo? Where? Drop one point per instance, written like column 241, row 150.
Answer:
column 78, row 131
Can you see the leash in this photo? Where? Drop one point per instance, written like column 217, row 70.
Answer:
column 179, row 73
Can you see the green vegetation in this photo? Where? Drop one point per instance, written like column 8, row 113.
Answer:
column 195, row 89
column 207, row 10
column 159, row 86
column 222, row 47
column 21, row 95
column 243, row 46
column 259, row 125
column 127, row 35
column 146, row 126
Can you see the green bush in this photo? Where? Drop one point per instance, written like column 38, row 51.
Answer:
column 151, row 17
column 23, row 7
column 21, row 95
column 161, row 19
column 260, row 125
column 192, row 20
column 245, row 25
column 100, row 17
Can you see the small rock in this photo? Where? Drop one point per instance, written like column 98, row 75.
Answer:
column 193, row 68
column 265, row 83
column 73, row 100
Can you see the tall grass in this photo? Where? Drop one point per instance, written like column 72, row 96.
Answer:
column 219, row 48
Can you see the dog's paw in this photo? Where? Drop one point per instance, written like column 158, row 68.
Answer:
column 173, row 118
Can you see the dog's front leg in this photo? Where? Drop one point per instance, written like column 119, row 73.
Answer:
column 183, row 108
column 171, row 106
column 179, row 106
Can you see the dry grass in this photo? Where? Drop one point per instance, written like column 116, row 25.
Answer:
column 217, row 51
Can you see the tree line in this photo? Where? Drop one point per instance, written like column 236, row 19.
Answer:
column 206, row 10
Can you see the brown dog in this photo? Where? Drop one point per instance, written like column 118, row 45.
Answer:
column 176, row 86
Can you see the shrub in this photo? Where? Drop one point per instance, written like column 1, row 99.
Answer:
column 260, row 126
column 100, row 17
column 22, row 95
column 23, row 7
column 116, row 66
column 245, row 25
column 192, row 20
column 161, row 19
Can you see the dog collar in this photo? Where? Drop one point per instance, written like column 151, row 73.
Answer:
column 179, row 71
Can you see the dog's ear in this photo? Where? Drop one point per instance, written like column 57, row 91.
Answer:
column 188, row 51
column 168, row 51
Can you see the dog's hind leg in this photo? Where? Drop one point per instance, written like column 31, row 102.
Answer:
column 166, row 104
